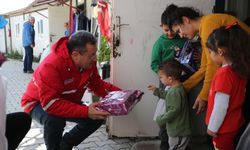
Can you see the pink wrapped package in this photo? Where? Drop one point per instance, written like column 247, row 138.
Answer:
column 119, row 103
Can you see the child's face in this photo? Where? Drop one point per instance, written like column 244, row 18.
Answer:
column 216, row 57
column 166, row 80
column 170, row 34
column 66, row 25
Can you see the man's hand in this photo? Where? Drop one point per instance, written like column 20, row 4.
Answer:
column 151, row 88
column 200, row 104
column 95, row 114
column 32, row 45
column 213, row 134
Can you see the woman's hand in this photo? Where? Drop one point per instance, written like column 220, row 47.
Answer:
column 200, row 105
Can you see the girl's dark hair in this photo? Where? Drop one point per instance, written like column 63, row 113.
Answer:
column 176, row 13
column 236, row 43
column 171, row 68
column 79, row 40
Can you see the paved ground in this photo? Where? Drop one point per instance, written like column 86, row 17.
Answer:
column 17, row 82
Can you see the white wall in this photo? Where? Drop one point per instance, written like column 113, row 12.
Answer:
column 16, row 24
column 2, row 41
column 132, row 69
column 89, row 9
column 57, row 17
column 41, row 39
column 8, row 36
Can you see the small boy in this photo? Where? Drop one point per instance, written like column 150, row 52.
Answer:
column 164, row 48
column 176, row 116
column 66, row 32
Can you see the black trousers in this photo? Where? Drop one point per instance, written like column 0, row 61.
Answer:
column 54, row 127
column 17, row 126
column 28, row 59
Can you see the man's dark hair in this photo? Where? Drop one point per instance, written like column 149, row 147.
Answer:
column 171, row 68
column 79, row 40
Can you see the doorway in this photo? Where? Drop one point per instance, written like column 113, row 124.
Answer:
column 237, row 8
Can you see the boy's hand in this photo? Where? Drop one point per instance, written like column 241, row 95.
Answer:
column 197, row 56
column 213, row 134
column 158, row 120
column 151, row 88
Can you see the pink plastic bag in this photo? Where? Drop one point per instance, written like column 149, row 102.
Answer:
column 119, row 103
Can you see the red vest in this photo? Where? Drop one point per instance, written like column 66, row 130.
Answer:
column 59, row 86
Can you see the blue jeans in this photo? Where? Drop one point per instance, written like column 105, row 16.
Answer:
column 28, row 59
column 54, row 127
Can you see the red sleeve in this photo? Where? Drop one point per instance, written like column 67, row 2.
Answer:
column 98, row 86
column 223, row 82
column 50, row 87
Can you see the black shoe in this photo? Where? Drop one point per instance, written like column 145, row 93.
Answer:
column 164, row 145
column 30, row 71
column 65, row 146
column 24, row 71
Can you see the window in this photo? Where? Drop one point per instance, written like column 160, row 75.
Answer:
column 40, row 27
column 17, row 29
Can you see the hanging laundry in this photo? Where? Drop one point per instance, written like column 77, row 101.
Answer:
column 83, row 22
column 75, row 22
column 3, row 22
column 72, row 23
column 104, row 19
column 9, row 32
column 93, row 3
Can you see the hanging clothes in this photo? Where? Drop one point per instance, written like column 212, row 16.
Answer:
column 93, row 3
column 75, row 22
column 104, row 19
column 83, row 22
column 3, row 22
column 72, row 24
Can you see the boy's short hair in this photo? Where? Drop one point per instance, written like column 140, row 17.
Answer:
column 171, row 68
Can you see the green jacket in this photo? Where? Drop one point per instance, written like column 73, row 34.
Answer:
column 176, row 117
column 164, row 49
